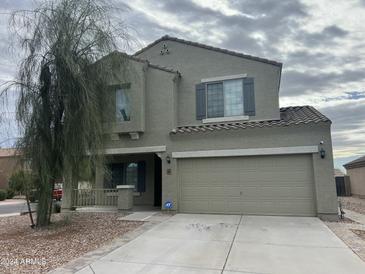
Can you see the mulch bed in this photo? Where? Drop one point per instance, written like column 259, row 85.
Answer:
column 345, row 220
column 354, row 204
column 26, row 250
column 359, row 232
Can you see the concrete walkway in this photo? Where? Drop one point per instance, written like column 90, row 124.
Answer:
column 193, row 243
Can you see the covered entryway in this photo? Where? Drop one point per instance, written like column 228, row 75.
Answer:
column 264, row 185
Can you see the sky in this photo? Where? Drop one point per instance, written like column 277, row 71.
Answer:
column 320, row 43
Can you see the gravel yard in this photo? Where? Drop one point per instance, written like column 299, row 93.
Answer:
column 26, row 250
column 354, row 204
column 352, row 229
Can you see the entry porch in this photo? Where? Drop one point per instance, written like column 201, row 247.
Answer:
column 140, row 173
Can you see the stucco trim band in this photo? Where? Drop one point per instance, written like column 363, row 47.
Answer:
column 222, row 78
column 246, row 152
column 134, row 150
column 225, row 119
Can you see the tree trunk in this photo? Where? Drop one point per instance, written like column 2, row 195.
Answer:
column 44, row 201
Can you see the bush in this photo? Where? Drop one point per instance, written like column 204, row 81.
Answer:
column 10, row 193
column 2, row 194
column 21, row 181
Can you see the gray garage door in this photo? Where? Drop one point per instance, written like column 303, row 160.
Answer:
column 265, row 185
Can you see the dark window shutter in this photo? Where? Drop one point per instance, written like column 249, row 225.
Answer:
column 141, row 180
column 114, row 176
column 249, row 96
column 200, row 101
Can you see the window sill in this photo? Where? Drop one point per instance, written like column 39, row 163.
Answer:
column 225, row 119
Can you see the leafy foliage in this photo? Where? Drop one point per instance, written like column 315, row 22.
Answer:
column 22, row 181
column 2, row 194
column 10, row 193
column 62, row 90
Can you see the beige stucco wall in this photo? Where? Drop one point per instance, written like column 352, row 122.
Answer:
column 300, row 135
column 357, row 179
column 127, row 72
column 196, row 63
column 160, row 114
column 304, row 135
column 164, row 90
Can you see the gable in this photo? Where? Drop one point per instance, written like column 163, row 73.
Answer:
column 207, row 47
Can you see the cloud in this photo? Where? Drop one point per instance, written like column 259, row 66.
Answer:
column 348, row 128
column 350, row 95
column 296, row 83
column 329, row 34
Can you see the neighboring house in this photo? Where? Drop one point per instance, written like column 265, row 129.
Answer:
column 201, row 127
column 9, row 163
column 356, row 170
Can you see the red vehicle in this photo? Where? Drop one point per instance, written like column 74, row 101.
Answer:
column 57, row 192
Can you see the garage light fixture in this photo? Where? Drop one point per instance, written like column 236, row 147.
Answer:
column 322, row 152
column 168, row 159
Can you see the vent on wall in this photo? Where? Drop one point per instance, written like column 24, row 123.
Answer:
column 164, row 50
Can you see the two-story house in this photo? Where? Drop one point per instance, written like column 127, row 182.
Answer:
column 201, row 127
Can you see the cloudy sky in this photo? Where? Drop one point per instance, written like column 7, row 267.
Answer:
column 320, row 42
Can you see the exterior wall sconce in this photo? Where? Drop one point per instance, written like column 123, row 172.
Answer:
column 322, row 152
column 168, row 159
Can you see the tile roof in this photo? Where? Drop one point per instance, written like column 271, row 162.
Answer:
column 359, row 162
column 288, row 116
column 141, row 60
column 195, row 44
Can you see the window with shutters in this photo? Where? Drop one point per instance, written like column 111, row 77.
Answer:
column 225, row 99
column 133, row 173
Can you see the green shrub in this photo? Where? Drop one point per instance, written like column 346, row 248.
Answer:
column 2, row 194
column 10, row 193
column 21, row 181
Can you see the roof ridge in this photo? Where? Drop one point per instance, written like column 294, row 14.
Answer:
column 142, row 60
column 354, row 162
column 222, row 50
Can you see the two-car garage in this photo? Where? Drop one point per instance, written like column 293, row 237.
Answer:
column 264, row 185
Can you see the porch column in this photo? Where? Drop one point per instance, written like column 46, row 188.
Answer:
column 68, row 194
column 99, row 183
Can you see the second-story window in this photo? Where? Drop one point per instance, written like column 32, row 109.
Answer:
column 225, row 98
column 122, row 105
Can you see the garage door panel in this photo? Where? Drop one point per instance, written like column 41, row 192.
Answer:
column 277, row 192
column 210, row 191
column 272, row 185
column 232, row 174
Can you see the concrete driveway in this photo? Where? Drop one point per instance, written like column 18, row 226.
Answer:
column 194, row 243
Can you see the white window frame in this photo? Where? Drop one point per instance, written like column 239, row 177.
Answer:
column 223, row 118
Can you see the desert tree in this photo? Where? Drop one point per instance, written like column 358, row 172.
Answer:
column 63, row 88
